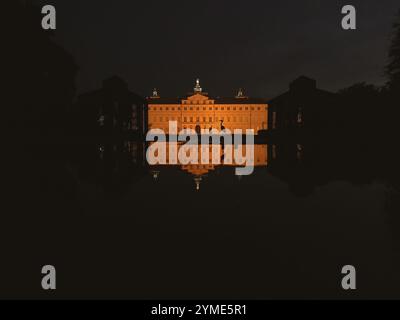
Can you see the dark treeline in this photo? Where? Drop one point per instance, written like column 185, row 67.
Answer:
column 370, row 116
column 40, row 197
column 42, row 86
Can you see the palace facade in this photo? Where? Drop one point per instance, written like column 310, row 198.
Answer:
column 198, row 111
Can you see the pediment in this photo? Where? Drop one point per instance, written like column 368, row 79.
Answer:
column 198, row 97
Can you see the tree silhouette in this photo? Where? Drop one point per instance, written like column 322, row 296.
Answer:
column 393, row 68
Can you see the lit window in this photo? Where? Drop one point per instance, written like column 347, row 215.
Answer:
column 300, row 116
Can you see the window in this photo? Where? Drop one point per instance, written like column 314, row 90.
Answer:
column 299, row 116
column 204, row 119
column 210, row 119
column 191, row 119
column 274, row 120
column 184, row 119
column 274, row 151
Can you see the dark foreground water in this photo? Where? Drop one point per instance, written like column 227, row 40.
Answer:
column 140, row 231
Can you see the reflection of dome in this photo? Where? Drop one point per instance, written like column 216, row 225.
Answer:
column 197, row 180
column 155, row 174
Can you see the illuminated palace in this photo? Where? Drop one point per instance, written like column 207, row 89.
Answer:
column 199, row 111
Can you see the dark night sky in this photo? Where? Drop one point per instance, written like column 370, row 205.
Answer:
column 258, row 45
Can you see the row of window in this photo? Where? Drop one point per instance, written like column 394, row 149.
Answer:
column 198, row 102
column 194, row 127
column 299, row 118
column 204, row 119
column 205, row 108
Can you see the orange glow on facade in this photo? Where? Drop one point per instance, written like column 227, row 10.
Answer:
column 199, row 111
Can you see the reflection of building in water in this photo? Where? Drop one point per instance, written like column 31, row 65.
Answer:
column 199, row 111
column 201, row 169
column 114, row 165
